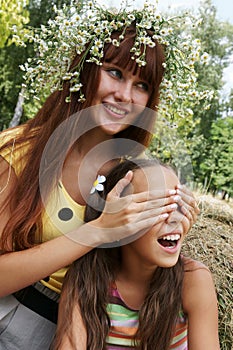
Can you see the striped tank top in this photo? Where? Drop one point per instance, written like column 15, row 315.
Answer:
column 124, row 324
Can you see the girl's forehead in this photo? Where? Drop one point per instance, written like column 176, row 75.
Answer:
column 154, row 178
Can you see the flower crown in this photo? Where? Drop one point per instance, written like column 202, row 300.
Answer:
column 85, row 30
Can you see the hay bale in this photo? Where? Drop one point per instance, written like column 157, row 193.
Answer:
column 210, row 241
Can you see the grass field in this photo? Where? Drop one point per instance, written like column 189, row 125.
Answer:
column 211, row 241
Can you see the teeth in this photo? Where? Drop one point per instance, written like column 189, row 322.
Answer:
column 171, row 237
column 116, row 110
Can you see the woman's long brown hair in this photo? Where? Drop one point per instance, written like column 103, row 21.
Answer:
column 24, row 226
column 89, row 278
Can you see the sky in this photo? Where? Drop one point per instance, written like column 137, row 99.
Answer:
column 224, row 13
column 224, row 7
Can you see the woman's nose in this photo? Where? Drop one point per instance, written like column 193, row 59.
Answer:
column 124, row 92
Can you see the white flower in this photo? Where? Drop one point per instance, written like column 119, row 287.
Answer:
column 98, row 43
column 68, row 76
column 97, row 185
column 205, row 58
column 108, row 40
column 151, row 44
column 98, row 30
column 131, row 17
column 115, row 42
column 75, row 87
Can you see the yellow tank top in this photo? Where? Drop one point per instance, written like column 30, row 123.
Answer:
column 62, row 214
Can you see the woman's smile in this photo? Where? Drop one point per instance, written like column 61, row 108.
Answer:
column 116, row 110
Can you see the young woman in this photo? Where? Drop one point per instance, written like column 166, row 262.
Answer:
column 143, row 294
column 48, row 166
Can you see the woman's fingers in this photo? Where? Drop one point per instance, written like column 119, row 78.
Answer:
column 188, row 203
column 154, row 213
column 125, row 211
column 121, row 185
column 161, row 202
column 188, row 197
column 131, row 204
column 188, row 214
column 153, row 195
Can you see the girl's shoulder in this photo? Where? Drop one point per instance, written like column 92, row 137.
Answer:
column 198, row 285
column 191, row 265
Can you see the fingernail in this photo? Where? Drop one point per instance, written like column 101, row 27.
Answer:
column 177, row 198
column 172, row 192
column 165, row 215
column 174, row 206
column 128, row 173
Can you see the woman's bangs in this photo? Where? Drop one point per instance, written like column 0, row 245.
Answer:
column 122, row 57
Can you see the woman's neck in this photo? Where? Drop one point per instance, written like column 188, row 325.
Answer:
column 89, row 156
column 89, row 141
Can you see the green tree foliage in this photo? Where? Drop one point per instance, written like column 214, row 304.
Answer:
column 228, row 105
column 217, row 40
column 10, row 81
column 11, row 77
column 207, row 154
column 13, row 16
column 218, row 166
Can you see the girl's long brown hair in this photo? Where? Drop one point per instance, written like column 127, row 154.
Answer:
column 24, row 226
column 89, row 278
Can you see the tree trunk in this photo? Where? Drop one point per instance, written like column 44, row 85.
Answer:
column 18, row 109
column 224, row 194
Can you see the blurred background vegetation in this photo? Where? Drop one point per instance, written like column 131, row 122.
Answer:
column 200, row 146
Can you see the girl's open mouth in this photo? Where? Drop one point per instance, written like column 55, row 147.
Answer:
column 169, row 241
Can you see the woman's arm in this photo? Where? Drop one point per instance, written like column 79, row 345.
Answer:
column 122, row 217
column 200, row 304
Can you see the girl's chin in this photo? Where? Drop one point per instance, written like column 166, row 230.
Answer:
column 170, row 262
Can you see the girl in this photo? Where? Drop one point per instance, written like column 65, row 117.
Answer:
column 102, row 108
column 143, row 294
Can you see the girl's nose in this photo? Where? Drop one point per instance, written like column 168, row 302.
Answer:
column 124, row 92
column 178, row 220
column 175, row 217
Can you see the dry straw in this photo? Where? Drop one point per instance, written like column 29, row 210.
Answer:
column 211, row 241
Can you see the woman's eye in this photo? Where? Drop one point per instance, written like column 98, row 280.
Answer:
column 143, row 86
column 115, row 73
